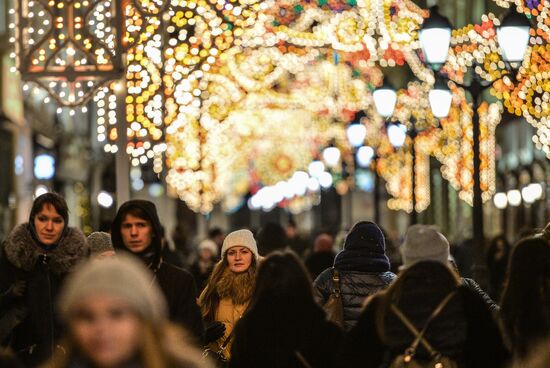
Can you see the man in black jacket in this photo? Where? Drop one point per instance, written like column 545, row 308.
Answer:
column 137, row 229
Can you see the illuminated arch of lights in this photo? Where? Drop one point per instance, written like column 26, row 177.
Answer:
column 192, row 65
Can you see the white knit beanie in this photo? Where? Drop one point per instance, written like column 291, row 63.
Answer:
column 210, row 245
column 240, row 238
column 124, row 277
column 424, row 243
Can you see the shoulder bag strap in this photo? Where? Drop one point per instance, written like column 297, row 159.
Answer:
column 335, row 281
column 225, row 342
column 302, row 360
column 420, row 335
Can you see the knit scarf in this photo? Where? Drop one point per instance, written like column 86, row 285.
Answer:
column 361, row 260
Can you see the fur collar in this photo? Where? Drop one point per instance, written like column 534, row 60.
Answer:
column 23, row 253
column 237, row 286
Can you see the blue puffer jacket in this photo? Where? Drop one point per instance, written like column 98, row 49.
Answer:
column 355, row 287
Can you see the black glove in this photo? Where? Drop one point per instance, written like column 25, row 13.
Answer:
column 18, row 288
column 213, row 332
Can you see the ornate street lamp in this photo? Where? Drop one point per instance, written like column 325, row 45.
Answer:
column 356, row 131
column 364, row 156
column 500, row 200
column 331, row 156
column 513, row 36
column 385, row 99
column 440, row 98
column 435, row 38
column 397, row 133
column 513, row 39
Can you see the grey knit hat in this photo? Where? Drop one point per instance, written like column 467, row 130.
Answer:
column 100, row 242
column 424, row 243
column 240, row 238
column 124, row 277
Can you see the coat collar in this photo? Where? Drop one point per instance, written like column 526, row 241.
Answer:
column 22, row 251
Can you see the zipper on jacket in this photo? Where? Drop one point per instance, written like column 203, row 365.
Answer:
column 50, row 303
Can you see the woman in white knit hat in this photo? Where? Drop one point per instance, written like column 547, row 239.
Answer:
column 117, row 318
column 229, row 289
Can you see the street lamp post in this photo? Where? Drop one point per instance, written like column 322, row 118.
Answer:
column 356, row 133
column 413, row 133
column 513, row 37
column 385, row 99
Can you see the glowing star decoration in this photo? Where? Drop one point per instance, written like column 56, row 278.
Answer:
column 69, row 48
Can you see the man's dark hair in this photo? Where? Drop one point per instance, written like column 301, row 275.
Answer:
column 136, row 212
column 53, row 199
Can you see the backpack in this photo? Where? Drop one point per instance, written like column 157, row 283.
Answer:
column 407, row 359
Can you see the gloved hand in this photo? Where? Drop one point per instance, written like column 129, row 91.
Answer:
column 18, row 288
column 213, row 332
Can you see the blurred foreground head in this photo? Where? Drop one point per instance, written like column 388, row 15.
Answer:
column 117, row 317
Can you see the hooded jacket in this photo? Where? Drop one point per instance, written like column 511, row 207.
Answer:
column 176, row 284
column 29, row 319
column 364, row 270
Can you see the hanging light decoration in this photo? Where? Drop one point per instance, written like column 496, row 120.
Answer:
column 69, row 48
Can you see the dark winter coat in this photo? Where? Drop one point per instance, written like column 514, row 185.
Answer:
column 474, row 286
column 33, row 339
column 176, row 284
column 464, row 331
column 269, row 336
column 318, row 262
column 201, row 278
column 355, row 287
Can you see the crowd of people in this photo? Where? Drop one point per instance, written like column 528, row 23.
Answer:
column 120, row 299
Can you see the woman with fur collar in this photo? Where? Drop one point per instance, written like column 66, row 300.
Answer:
column 34, row 260
column 229, row 289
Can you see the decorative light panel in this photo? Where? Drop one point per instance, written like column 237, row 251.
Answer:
column 69, row 48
